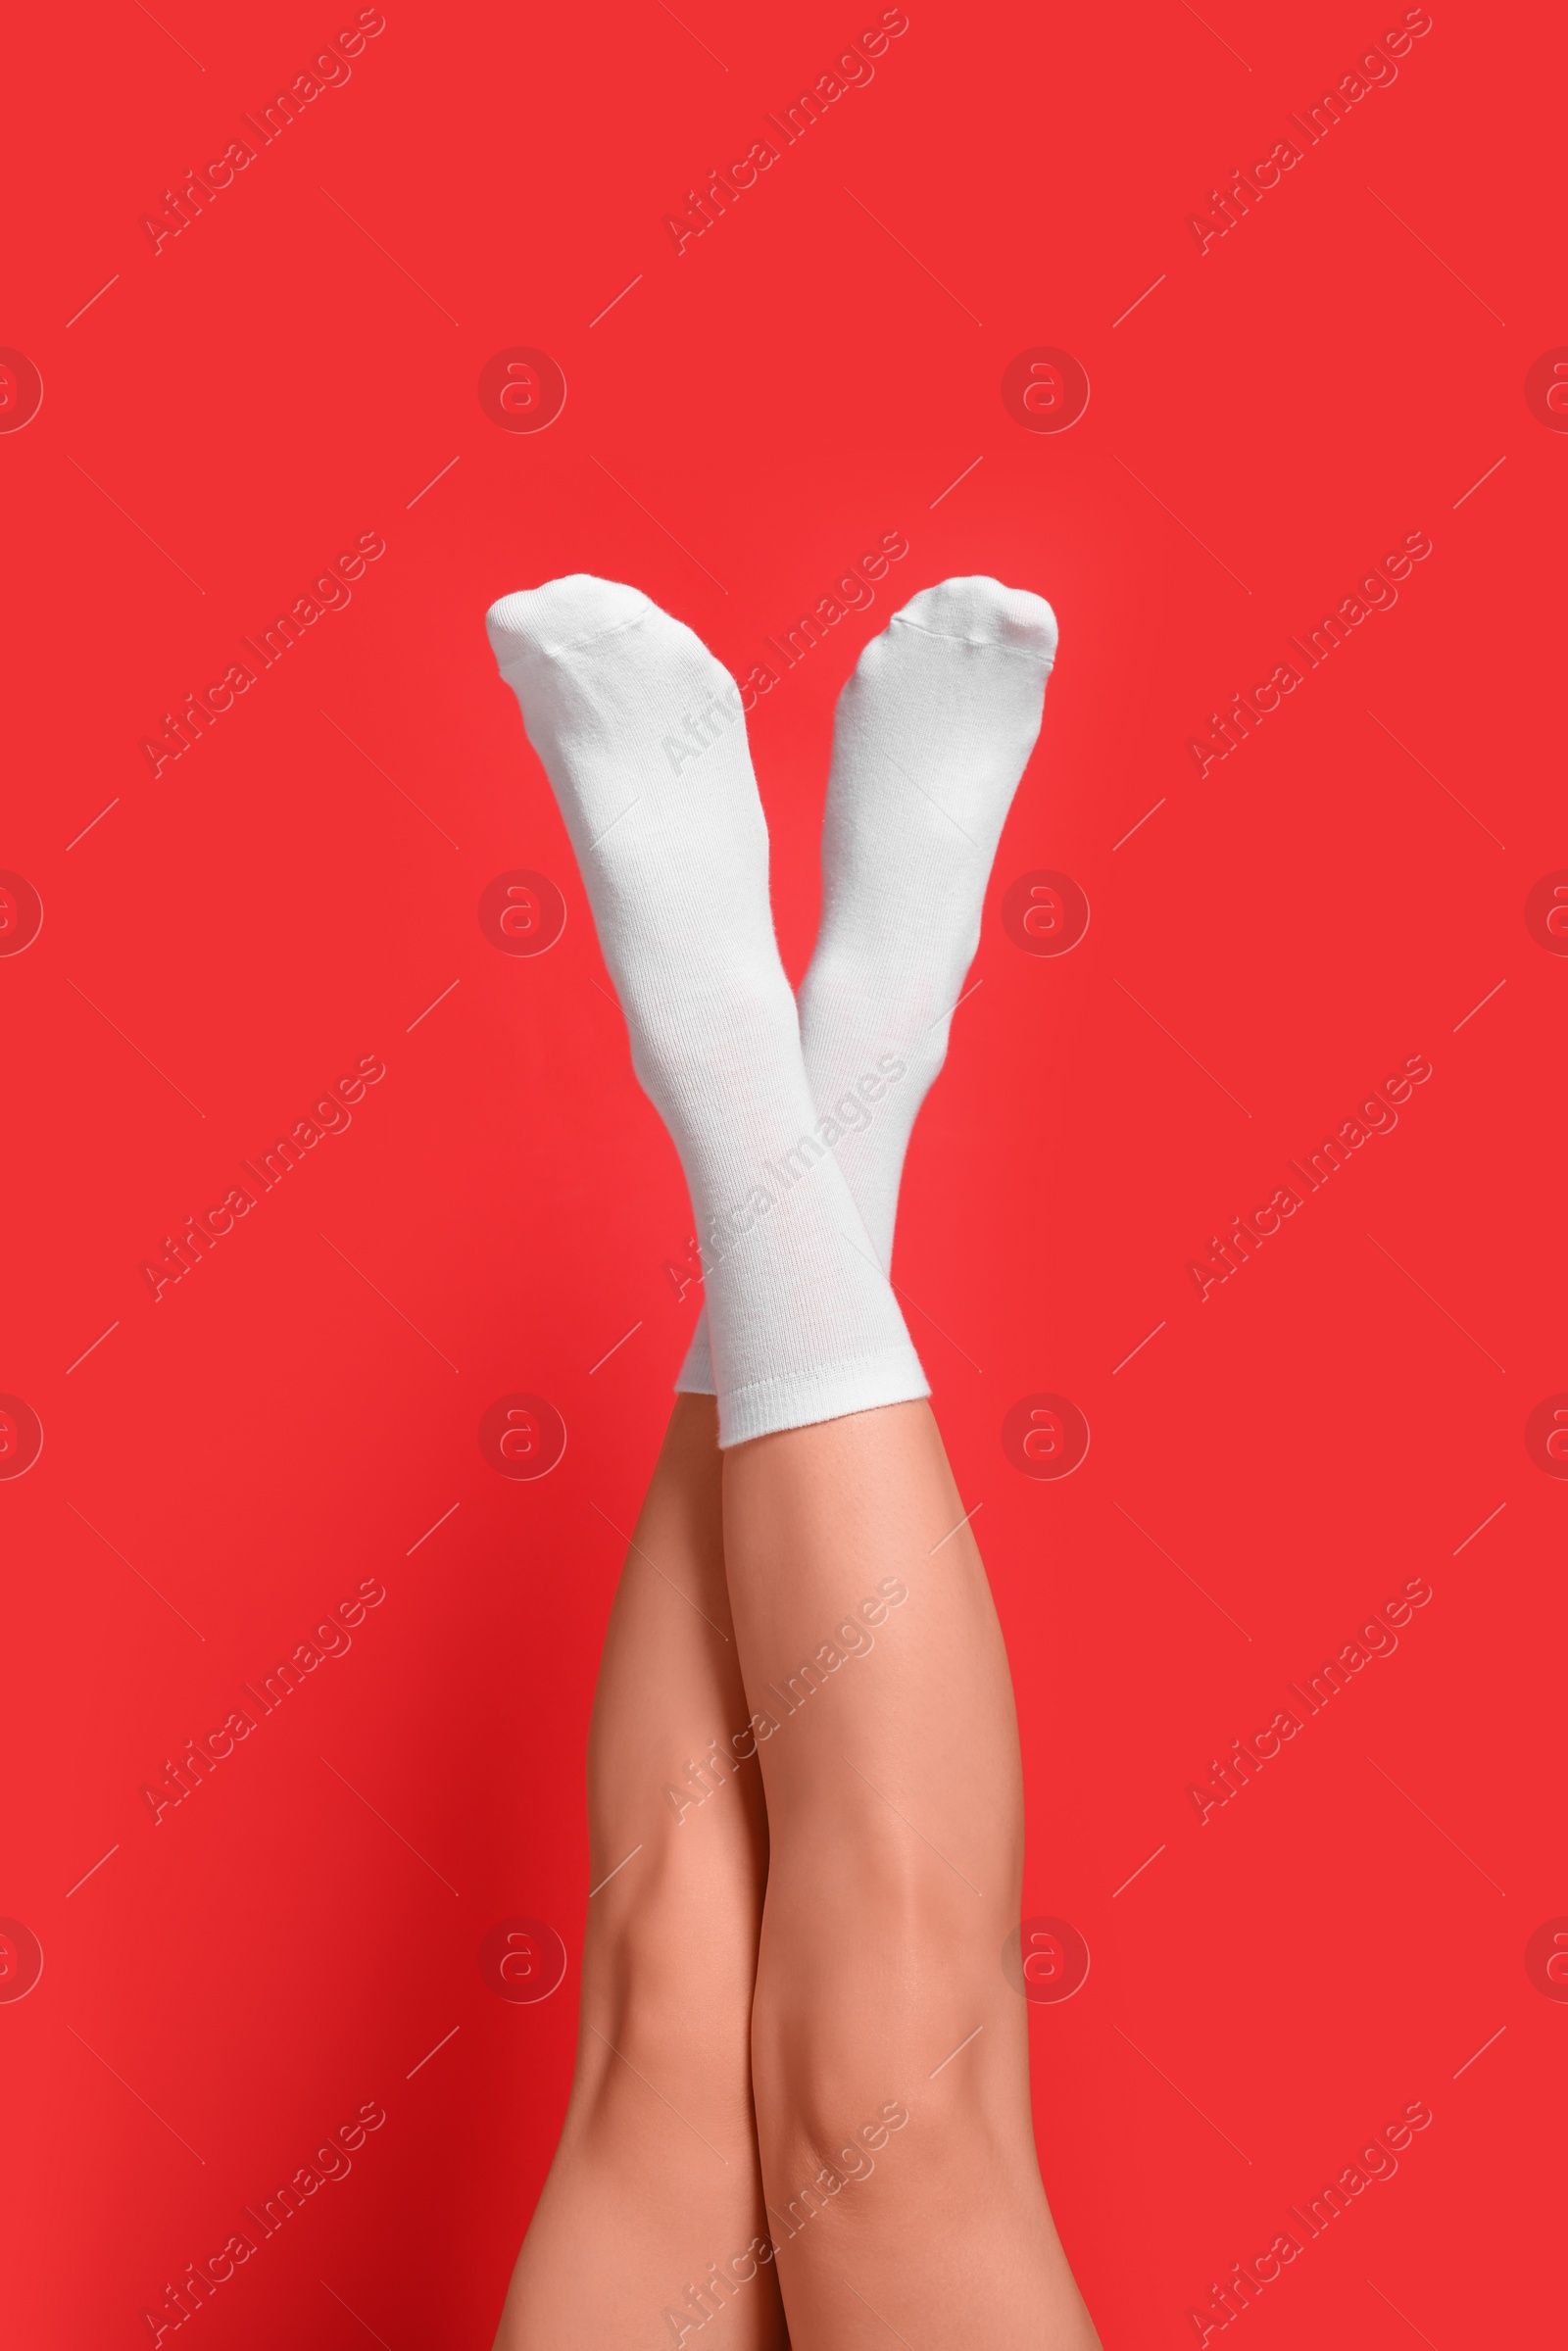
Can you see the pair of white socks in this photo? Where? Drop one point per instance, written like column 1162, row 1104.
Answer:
column 791, row 1126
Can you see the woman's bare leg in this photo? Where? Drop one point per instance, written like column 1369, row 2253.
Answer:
column 655, row 2183
column 889, row 2051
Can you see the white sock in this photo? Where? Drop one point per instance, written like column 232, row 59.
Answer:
column 931, row 735
column 673, row 847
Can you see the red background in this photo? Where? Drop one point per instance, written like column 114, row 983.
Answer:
column 227, row 415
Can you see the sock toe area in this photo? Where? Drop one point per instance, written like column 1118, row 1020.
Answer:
column 981, row 612
column 538, row 622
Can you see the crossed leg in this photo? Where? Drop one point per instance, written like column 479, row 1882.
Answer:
column 655, row 2187
column 889, row 2052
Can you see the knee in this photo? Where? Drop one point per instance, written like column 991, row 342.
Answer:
column 874, row 1970
column 674, row 1914
column 867, row 1919
column 833, row 2134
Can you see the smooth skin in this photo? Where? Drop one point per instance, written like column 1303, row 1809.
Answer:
column 655, row 2180
column 896, row 1809
column 887, row 2079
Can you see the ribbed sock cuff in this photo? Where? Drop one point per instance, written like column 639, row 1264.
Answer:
column 827, row 1391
